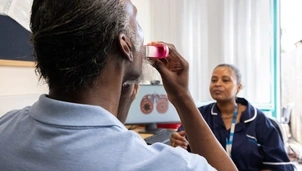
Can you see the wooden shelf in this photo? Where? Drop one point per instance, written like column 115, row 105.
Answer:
column 17, row 63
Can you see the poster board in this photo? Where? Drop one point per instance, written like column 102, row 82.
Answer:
column 15, row 46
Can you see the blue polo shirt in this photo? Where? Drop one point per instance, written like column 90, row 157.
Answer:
column 256, row 144
column 56, row 135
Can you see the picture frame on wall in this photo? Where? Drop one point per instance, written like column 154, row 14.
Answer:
column 15, row 46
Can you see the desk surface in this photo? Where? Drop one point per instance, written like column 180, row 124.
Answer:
column 138, row 129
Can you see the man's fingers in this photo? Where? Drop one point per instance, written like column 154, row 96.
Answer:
column 183, row 133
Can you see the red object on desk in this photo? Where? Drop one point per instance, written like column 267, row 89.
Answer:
column 169, row 126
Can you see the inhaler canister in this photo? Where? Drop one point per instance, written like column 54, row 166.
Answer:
column 157, row 51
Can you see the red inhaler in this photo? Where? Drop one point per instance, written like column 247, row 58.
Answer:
column 157, row 51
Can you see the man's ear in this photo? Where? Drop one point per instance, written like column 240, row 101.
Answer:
column 125, row 45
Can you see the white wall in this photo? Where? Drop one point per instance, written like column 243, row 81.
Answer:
column 20, row 81
column 19, row 87
column 144, row 17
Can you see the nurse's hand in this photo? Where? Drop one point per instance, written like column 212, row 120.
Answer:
column 179, row 139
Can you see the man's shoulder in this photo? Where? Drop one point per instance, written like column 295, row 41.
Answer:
column 14, row 113
column 182, row 159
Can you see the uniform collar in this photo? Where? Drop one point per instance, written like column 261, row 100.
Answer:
column 63, row 113
column 248, row 115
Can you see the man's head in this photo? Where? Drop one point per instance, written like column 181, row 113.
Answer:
column 72, row 40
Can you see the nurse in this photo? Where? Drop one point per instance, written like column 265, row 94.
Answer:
column 245, row 132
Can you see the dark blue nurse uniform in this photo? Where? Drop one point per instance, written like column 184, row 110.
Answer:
column 256, row 145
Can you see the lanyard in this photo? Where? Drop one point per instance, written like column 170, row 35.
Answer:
column 229, row 141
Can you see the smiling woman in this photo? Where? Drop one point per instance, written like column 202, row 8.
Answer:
column 243, row 130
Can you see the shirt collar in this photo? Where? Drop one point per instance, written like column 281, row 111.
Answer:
column 247, row 116
column 57, row 112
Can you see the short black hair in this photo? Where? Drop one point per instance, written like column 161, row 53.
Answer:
column 71, row 39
